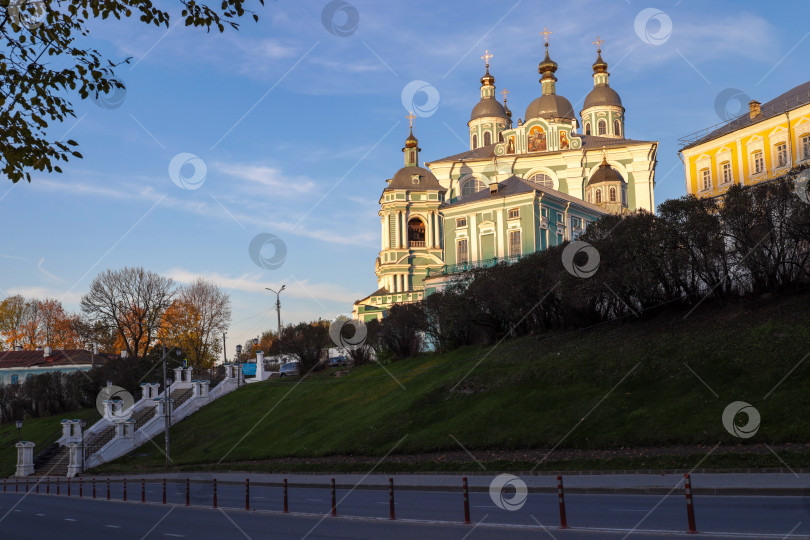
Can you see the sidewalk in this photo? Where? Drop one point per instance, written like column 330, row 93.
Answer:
column 653, row 484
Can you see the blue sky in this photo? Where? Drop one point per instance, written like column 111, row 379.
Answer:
column 298, row 128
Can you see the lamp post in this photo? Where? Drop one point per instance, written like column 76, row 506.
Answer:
column 238, row 353
column 278, row 312
column 224, row 350
column 19, row 430
column 167, row 405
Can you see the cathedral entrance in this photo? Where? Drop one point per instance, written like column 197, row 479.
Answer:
column 416, row 233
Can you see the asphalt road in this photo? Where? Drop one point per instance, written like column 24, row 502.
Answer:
column 363, row 514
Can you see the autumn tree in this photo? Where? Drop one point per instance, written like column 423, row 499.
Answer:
column 47, row 55
column 196, row 320
column 12, row 313
column 133, row 302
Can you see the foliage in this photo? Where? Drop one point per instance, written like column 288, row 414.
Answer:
column 308, row 341
column 46, row 56
column 31, row 323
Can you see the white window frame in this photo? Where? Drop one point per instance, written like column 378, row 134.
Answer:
column 466, row 250
column 777, row 155
column 461, row 222
column 721, row 172
column 804, row 141
column 520, row 242
column 599, row 124
column 755, row 162
column 516, row 212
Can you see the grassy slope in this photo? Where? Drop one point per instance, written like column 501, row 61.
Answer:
column 37, row 430
column 529, row 394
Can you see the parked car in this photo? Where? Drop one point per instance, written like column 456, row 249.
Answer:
column 338, row 361
column 289, row 369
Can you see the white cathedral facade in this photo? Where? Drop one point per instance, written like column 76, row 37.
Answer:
column 521, row 187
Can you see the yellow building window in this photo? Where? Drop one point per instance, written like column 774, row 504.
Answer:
column 725, row 169
column 759, row 162
column 514, row 213
column 705, row 179
column 806, row 147
column 781, row 155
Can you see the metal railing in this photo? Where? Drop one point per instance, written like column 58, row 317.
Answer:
column 472, row 265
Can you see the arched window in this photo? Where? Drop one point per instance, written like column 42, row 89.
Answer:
column 542, row 179
column 587, row 128
column 487, row 138
column 416, row 232
column 475, row 142
column 598, row 196
column 500, row 136
column 602, row 127
column 589, row 195
column 470, row 186
column 613, row 194
column 617, row 128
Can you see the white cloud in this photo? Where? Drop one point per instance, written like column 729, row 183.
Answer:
column 45, row 272
column 266, row 176
column 44, row 292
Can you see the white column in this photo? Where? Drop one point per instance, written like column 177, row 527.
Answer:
column 429, row 235
column 405, row 215
column 74, row 459
column 472, row 254
column 178, row 375
column 382, row 232
column 500, row 235
column 259, row 366
column 67, row 426
column 25, row 458
column 397, row 232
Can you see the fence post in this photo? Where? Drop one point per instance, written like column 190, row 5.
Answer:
column 58, row 490
column 143, row 490
column 69, row 487
column 561, row 497
column 37, row 488
column 286, row 508
column 47, row 486
column 164, row 491
column 334, row 501
column 188, row 487
column 391, row 499
column 215, row 492
column 466, row 501
column 94, row 488
column 16, row 484
column 247, row 493
column 125, row 490
column 690, row 507
column 108, row 489
column 81, row 487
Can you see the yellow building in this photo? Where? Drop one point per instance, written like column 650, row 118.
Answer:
column 761, row 145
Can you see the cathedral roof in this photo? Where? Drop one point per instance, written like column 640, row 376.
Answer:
column 601, row 95
column 482, row 152
column 379, row 292
column 515, row 185
column 605, row 173
column 488, row 107
column 414, row 179
column 550, row 106
column 793, row 98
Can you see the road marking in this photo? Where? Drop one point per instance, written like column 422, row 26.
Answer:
column 314, row 500
column 18, row 510
column 113, row 526
column 174, row 535
column 40, row 514
column 626, row 510
column 259, row 497
column 69, row 519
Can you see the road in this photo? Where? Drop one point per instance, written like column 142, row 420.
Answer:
column 363, row 514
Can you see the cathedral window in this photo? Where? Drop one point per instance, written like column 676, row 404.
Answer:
column 587, row 128
column 613, row 194
column 781, row 155
column 589, row 195
column 806, row 147
column 598, row 196
column 706, row 179
column 758, row 161
column 514, row 243
column 475, row 142
column 725, row 170
column 416, row 232
column 514, row 213
column 602, row 127
column 472, row 185
column 461, row 222
column 461, row 251
column 542, row 179
column 500, row 136
column 487, row 138
column 617, row 128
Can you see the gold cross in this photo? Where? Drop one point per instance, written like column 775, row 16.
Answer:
column 505, row 93
column 410, row 118
column 545, row 33
column 598, row 43
column 486, row 57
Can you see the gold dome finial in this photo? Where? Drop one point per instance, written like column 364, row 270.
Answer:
column 487, row 79
column 411, row 141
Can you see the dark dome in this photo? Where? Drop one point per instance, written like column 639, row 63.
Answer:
column 404, row 179
column 548, row 106
column 602, row 95
column 605, row 173
column 488, row 107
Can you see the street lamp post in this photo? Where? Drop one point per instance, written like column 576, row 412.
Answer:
column 167, row 406
column 278, row 312
column 83, row 424
column 19, row 430
column 238, row 353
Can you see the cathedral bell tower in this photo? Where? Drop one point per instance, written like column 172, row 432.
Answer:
column 488, row 118
column 602, row 113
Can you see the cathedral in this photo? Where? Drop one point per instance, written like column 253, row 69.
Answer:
column 521, row 187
